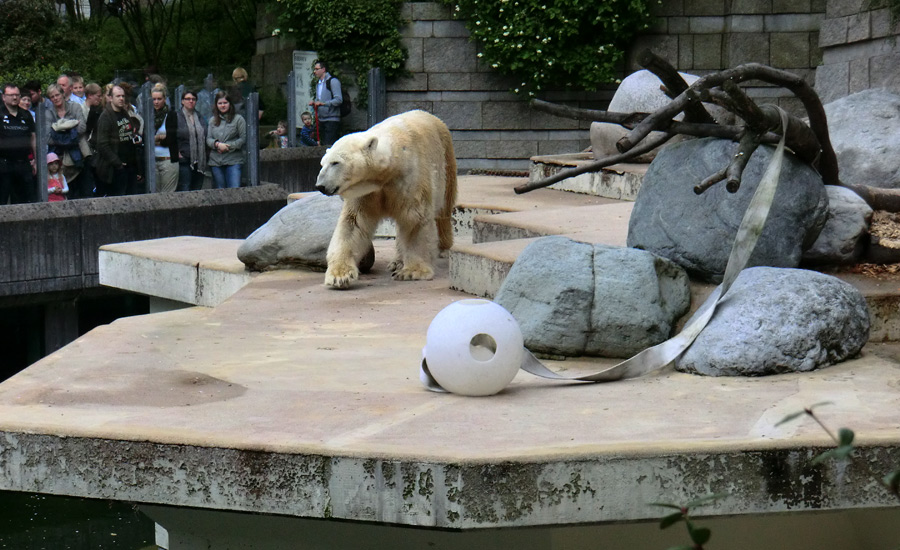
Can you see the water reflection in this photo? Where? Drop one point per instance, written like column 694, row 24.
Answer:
column 32, row 521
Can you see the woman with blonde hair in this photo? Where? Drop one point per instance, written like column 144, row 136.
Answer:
column 65, row 125
column 226, row 137
column 165, row 140
column 241, row 90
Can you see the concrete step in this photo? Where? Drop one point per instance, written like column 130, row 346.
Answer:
column 607, row 222
column 619, row 181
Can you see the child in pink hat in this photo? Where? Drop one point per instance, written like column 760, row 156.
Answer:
column 57, row 187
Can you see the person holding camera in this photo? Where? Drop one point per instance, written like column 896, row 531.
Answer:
column 118, row 143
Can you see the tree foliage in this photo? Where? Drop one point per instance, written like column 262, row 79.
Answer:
column 168, row 34
column 42, row 38
column 361, row 34
column 37, row 40
column 559, row 44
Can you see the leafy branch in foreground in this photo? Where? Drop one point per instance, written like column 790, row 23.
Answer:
column 699, row 535
column 844, row 446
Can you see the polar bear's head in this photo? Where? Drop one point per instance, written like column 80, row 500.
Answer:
column 351, row 166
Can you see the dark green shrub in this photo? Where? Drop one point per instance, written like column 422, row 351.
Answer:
column 553, row 44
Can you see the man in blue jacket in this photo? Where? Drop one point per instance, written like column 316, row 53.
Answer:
column 327, row 104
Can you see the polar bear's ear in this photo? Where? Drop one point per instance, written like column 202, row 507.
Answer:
column 372, row 144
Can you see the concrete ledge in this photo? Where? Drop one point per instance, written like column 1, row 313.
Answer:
column 191, row 270
column 54, row 246
column 620, row 181
column 604, row 223
column 460, row 495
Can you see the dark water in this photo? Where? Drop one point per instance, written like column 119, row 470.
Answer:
column 30, row 521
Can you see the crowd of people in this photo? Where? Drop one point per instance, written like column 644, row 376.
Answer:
column 94, row 145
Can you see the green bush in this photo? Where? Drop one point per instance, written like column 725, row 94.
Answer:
column 553, row 44
column 45, row 74
column 37, row 42
column 361, row 34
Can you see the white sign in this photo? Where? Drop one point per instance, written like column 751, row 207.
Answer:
column 303, row 81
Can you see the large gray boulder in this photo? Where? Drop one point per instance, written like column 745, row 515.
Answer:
column 780, row 320
column 297, row 236
column 845, row 235
column 865, row 133
column 640, row 92
column 697, row 231
column 575, row 299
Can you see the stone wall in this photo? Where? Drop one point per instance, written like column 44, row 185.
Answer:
column 702, row 36
column 860, row 49
column 294, row 169
column 493, row 128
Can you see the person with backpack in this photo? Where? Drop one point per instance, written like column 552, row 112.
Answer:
column 328, row 104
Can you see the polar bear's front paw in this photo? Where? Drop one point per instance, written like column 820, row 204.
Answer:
column 415, row 272
column 395, row 266
column 341, row 275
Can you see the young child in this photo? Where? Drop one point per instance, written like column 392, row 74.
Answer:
column 78, row 86
column 57, row 187
column 279, row 136
column 308, row 132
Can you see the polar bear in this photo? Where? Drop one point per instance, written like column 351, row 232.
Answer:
column 402, row 168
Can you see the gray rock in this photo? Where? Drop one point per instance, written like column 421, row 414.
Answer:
column 844, row 237
column 297, row 235
column 697, row 231
column 640, row 92
column 575, row 299
column 780, row 320
column 865, row 133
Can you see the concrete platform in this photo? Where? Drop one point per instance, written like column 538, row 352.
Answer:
column 294, row 400
column 192, row 270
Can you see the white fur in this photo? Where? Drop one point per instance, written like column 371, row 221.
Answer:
column 402, row 168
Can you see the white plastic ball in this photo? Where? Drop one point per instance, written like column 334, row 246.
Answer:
column 474, row 347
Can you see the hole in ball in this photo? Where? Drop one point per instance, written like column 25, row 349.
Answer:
column 482, row 347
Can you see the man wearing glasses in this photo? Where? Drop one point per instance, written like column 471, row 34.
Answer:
column 327, row 104
column 17, row 150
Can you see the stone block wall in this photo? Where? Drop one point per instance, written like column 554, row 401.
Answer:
column 493, row 128
column 703, row 36
column 860, row 49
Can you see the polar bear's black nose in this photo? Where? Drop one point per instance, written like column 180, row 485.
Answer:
column 324, row 190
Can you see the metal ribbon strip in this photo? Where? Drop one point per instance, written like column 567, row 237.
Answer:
column 660, row 355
